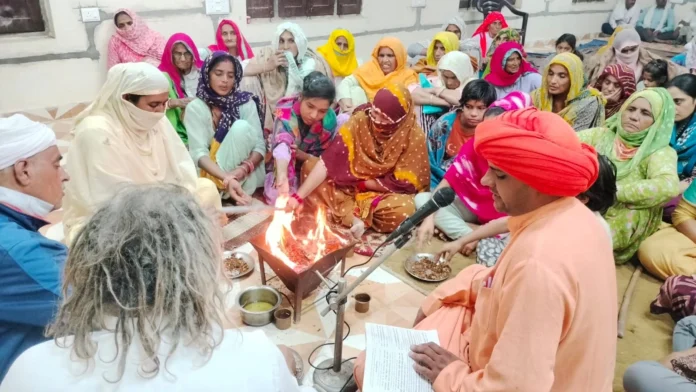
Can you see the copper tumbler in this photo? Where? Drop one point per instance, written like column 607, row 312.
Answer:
column 283, row 318
column 362, row 302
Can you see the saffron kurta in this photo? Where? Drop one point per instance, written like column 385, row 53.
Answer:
column 539, row 321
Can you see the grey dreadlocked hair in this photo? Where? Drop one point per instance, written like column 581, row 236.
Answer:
column 151, row 259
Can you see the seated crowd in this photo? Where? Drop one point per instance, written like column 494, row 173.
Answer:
column 560, row 173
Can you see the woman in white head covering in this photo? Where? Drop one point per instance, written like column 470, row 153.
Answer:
column 627, row 49
column 439, row 93
column 278, row 71
column 124, row 138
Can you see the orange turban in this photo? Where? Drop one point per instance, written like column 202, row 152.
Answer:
column 539, row 149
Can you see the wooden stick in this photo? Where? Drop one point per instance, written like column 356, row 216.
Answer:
column 246, row 209
column 623, row 313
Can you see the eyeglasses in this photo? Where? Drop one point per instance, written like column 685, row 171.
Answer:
column 184, row 55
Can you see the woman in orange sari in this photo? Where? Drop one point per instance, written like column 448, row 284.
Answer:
column 388, row 65
column 371, row 171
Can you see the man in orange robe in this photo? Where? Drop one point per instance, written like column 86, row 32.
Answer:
column 543, row 319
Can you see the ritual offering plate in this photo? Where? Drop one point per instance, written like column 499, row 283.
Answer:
column 423, row 266
column 237, row 264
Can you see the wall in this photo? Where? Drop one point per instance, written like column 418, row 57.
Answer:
column 68, row 65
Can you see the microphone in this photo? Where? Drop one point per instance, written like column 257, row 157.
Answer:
column 441, row 198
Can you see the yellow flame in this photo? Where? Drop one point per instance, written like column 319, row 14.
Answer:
column 281, row 226
column 274, row 233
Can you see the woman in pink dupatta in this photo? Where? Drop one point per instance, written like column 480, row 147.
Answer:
column 133, row 41
column 181, row 64
column 229, row 38
column 474, row 204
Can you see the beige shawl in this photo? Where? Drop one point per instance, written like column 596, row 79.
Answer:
column 596, row 64
column 271, row 86
column 112, row 149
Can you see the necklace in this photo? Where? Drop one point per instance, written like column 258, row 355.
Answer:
column 681, row 135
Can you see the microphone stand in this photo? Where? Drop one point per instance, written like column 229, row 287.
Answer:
column 333, row 374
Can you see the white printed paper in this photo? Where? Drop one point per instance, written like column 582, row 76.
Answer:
column 388, row 367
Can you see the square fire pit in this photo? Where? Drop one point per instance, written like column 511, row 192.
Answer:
column 301, row 279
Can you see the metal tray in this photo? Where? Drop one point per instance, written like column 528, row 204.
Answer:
column 408, row 264
column 242, row 256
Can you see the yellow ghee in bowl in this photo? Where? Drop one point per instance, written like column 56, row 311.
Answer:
column 258, row 307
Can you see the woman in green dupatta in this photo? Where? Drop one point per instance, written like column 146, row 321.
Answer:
column 637, row 139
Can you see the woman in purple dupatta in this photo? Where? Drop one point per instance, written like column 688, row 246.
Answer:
column 224, row 129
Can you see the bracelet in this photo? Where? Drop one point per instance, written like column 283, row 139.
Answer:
column 362, row 186
column 249, row 166
column 244, row 169
column 297, row 197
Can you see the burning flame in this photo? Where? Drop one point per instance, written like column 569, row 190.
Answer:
column 280, row 228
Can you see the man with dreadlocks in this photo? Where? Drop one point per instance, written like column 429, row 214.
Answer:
column 142, row 310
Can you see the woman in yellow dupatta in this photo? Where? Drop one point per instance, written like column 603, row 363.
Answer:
column 443, row 43
column 563, row 92
column 388, row 65
column 339, row 53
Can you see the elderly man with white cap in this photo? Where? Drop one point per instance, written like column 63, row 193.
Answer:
column 31, row 186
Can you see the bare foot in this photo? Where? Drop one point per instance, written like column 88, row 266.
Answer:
column 358, row 228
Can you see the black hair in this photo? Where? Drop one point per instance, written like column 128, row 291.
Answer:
column 318, row 85
column 571, row 41
column 478, row 90
column 119, row 14
column 602, row 194
column 685, row 83
column 658, row 71
column 133, row 98
column 493, row 111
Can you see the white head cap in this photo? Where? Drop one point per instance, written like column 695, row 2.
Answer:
column 21, row 138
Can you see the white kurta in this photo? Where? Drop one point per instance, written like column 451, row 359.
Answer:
column 243, row 362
